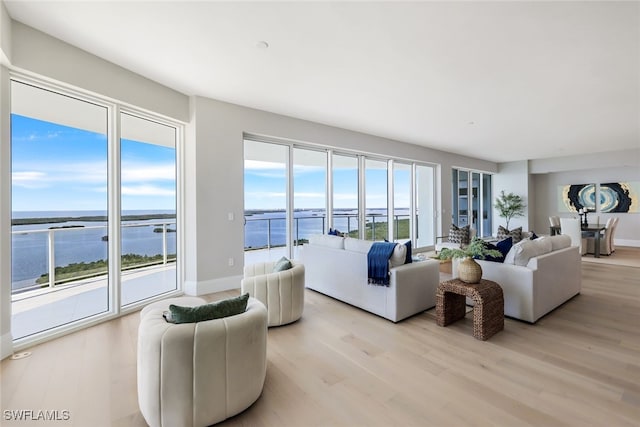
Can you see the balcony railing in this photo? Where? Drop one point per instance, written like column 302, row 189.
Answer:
column 272, row 231
column 52, row 235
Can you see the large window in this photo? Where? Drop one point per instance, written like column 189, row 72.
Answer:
column 67, row 227
column 376, row 200
column 401, row 201
column 265, row 200
column 287, row 198
column 425, row 205
column 472, row 200
column 309, row 194
column 148, row 208
column 345, row 194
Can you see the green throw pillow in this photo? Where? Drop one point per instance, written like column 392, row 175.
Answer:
column 215, row 310
column 282, row 265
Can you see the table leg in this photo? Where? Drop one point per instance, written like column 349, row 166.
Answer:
column 449, row 308
column 596, row 253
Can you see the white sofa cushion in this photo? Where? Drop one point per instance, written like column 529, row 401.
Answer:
column 398, row 257
column 326, row 240
column 560, row 241
column 523, row 251
column 357, row 245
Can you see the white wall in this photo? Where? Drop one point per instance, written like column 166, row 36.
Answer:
column 537, row 182
column 215, row 170
column 36, row 52
column 546, row 187
column 513, row 177
column 6, row 25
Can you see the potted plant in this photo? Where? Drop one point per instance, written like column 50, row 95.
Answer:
column 509, row 206
column 469, row 271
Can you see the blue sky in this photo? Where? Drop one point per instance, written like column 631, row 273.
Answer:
column 57, row 168
column 265, row 187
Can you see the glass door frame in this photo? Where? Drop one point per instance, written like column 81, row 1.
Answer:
column 113, row 207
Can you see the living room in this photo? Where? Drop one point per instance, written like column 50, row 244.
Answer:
column 213, row 204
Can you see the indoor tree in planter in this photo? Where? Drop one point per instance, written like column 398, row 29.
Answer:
column 469, row 271
column 509, row 206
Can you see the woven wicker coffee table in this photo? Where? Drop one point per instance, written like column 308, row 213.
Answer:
column 488, row 310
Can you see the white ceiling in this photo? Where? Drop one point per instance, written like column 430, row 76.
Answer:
column 500, row 81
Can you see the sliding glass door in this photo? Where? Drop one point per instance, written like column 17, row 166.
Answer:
column 309, row 195
column 472, row 200
column 265, row 201
column 94, row 225
column 292, row 192
column 60, row 261
column 401, row 202
column 425, row 205
column 375, row 199
column 345, row 178
column 148, row 227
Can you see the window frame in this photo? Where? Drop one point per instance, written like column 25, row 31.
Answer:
column 113, row 108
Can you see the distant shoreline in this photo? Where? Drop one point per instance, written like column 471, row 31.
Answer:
column 89, row 218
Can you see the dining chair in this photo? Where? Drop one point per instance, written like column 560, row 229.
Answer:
column 613, row 232
column 571, row 227
column 606, row 241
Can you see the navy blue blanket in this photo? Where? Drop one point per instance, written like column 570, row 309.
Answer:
column 378, row 262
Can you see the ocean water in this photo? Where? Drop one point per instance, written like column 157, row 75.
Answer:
column 85, row 244
column 74, row 245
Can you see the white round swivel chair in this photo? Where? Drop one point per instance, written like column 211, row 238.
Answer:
column 198, row 374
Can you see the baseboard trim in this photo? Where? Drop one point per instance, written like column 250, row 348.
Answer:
column 6, row 345
column 625, row 242
column 204, row 287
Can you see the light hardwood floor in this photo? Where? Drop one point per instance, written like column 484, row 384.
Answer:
column 338, row 365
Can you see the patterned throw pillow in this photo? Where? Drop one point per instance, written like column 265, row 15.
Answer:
column 459, row 235
column 516, row 234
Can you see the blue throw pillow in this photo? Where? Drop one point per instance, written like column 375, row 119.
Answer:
column 490, row 246
column 533, row 235
column 504, row 246
column 408, row 259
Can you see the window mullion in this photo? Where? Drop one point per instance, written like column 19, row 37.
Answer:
column 114, row 204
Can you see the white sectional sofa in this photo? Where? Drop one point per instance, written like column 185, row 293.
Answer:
column 536, row 277
column 337, row 267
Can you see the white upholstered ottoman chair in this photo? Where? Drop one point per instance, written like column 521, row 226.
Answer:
column 198, row 374
column 282, row 292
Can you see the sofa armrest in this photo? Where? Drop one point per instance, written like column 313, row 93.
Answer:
column 413, row 288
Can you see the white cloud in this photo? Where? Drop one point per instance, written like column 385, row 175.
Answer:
column 145, row 172
column 309, row 195
column 260, row 165
column 264, row 194
column 274, row 174
column 30, row 179
column 147, row 190
column 345, row 196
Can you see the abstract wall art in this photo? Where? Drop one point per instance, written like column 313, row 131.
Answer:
column 620, row 197
column 572, row 198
